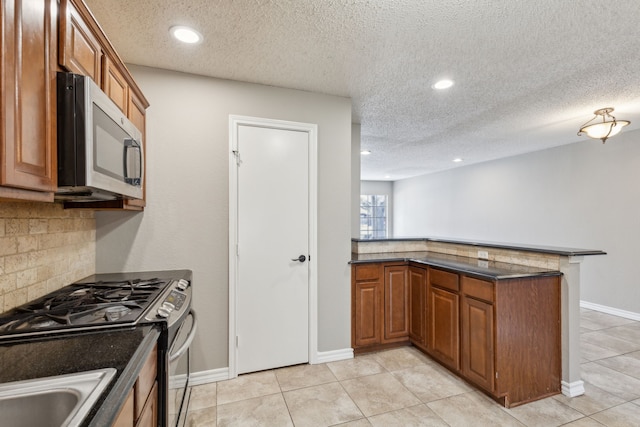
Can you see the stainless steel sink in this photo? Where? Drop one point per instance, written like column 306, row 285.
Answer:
column 63, row 400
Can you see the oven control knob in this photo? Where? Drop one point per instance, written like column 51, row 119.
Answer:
column 168, row 306
column 163, row 312
column 182, row 284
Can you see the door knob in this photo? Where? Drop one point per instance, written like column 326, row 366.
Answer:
column 301, row 258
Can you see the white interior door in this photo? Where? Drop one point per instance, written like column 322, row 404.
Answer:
column 272, row 287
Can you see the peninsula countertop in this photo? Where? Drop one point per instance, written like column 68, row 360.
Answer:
column 557, row 250
column 475, row 267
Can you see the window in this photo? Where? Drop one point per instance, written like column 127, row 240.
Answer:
column 373, row 217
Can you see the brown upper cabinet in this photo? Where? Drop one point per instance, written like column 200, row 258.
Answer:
column 28, row 100
column 79, row 51
column 115, row 85
column 40, row 38
column 85, row 49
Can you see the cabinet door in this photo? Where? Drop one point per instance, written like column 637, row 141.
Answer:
column 126, row 416
column 417, row 306
column 114, row 84
column 396, row 303
column 444, row 334
column 79, row 50
column 477, row 342
column 28, row 96
column 136, row 112
column 367, row 300
column 149, row 416
column 145, row 382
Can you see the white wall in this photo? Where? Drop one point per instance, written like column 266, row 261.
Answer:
column 584, row 195
column 355, row 181
column 384, row 188
column 185, row 223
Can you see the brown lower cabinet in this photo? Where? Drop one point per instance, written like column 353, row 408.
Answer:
column 418, row 306
column 141, row 406
column 443, row 314
column 396, row 300
column 380, row 306
column 477, row 339
column 503, row 336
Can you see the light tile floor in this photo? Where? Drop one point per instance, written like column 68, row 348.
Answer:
column 403, row 387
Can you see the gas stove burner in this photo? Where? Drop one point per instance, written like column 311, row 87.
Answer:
column 32, row 322
column 117, row 294
column 113, row 313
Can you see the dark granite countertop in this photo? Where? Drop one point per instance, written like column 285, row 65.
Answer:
column 474, row 267
column 513, row 246
column 122, row 349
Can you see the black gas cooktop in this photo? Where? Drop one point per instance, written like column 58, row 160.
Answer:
column 84, row 304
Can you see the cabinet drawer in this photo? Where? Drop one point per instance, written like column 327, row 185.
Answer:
column 443, row 279
column 477, row 288
column 368, row 271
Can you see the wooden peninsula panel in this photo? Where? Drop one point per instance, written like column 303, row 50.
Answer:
column 528, row 362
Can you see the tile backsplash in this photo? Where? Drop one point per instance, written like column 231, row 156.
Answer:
column 510, row 256
column 43, row 247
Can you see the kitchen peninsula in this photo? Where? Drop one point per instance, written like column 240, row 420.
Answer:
column 503, row 316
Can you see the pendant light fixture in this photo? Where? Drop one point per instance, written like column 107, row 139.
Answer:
column 608, row 127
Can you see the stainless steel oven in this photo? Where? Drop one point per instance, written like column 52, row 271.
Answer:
column 174, row 307
column 178, row 371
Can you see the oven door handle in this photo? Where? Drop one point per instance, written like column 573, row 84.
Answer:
column 189, row 339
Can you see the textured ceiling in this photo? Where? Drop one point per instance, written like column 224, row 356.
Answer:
column 527, row 73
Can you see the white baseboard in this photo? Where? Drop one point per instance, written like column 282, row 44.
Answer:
column 222, row 374
column 334, row 355
column 573, row 389
column 610, row 310
column 211, row 376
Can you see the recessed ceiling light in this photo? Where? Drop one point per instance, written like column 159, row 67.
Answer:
column 457, row 160
column 387, row 176
column 365, row 152
column 443, row 84
column 185, row 34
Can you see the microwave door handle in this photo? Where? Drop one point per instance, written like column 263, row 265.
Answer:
column 131, row 143
column 189, row 339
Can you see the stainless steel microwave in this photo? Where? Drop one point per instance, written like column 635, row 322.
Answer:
column 100, row 151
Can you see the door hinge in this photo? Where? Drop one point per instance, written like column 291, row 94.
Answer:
column 236, row 341
column 236, row 154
